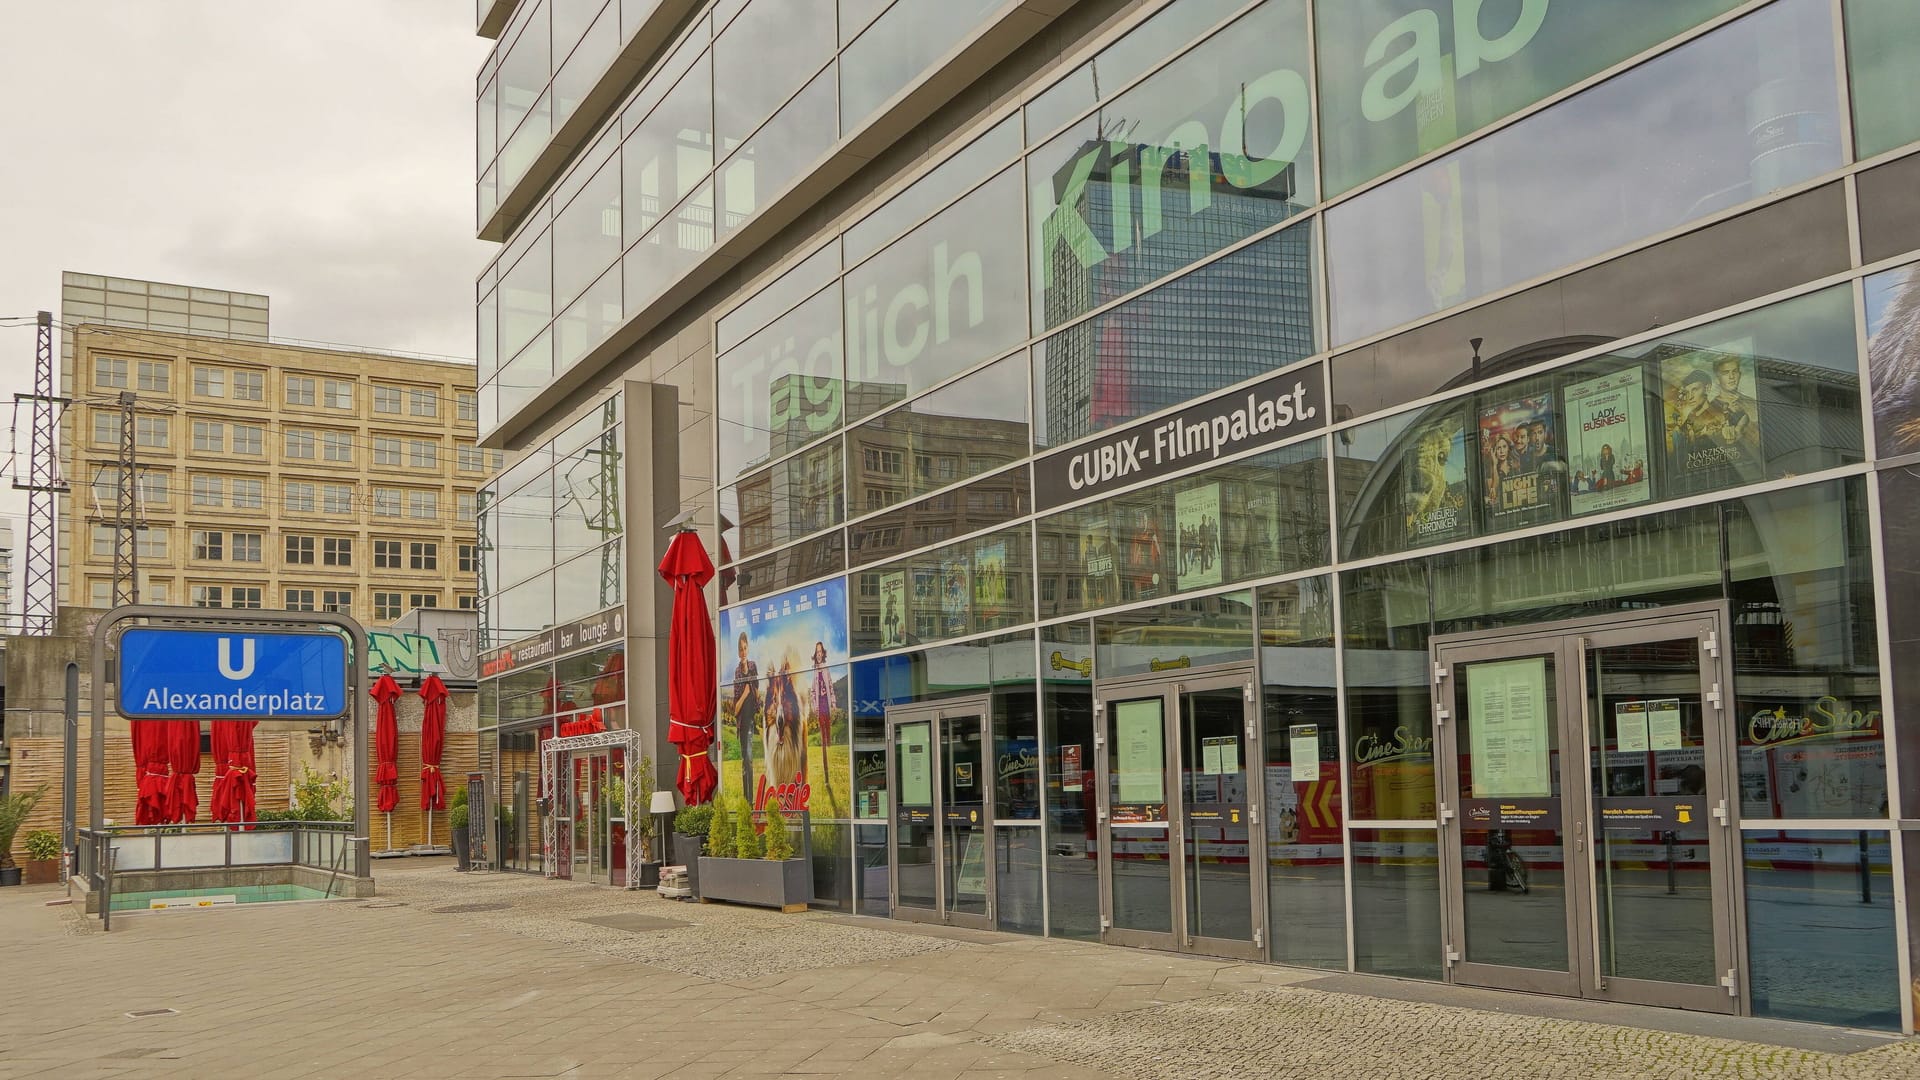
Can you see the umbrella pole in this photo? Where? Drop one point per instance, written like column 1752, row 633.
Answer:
column 429, row 826
column 389, row 830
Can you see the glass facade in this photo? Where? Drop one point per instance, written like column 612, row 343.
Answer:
column 1140, row 468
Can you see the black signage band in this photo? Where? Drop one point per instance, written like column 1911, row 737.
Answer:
column 1271, row 411
column 608, row 626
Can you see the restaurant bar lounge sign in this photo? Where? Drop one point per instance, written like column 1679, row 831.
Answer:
column 1271, row 411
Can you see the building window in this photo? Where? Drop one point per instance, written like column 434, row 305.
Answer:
column 885, row 462
column 249, row 494
column 463, row 505
column 300, row 390
column 246, row 596
column 423, row 505
column 465, row 601
column 336, row 498
column 150, row 489
column 423, row 600
column 386, row 451
column 422, row 454
column 386, row 399
column 205, row 595
column 155, row 377
column 339, row 394
column 337, row 445
column 471, row 459
column 340, row 600
column 209, row 490
column 386, row 606
column 110, row 371
column 423, row 402
column 336, row 551
column 386, row 554
column 106, row 428
column 300, row 496
column 299, row 444
column 466, row 558
column 467, row 405
column 249, row 439
column 100, row 593
column 157, row 592
column 209, row 436
column 424, row 556
column 386, row 502
column 209, row 382
column 246, row 547
column 207, row 545
column 299, row 551
column 152, row 432
column 151, row 542
column 249, row 386
column 299, row 599
column 103, row 542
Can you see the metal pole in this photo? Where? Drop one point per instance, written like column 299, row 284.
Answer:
column 1673, row 888
column 1866, row 870
column 70, row 775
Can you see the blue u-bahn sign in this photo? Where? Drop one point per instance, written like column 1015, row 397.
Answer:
column 168, row 674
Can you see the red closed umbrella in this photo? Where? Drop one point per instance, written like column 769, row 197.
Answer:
column 386, row 745
column 233, row 771
column 433, row 741
column 183, row 753
column 151, row 763
column 692, row 669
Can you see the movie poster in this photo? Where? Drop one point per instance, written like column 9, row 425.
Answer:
column 956, row 596
column 1520, row 462
column 1196, row 515
column 1140, row 556
column 895, row 612
column 1893, row 358
column 1100, row 563
column 1607, row 442
column 990, row 584
column 783, row 672
column 1435, row 474
column 1712, row 419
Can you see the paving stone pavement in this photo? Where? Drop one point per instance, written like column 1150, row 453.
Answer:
column 449, row 975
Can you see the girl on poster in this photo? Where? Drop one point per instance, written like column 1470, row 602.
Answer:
column 746, row 713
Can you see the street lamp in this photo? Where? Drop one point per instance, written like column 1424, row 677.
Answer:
column 662, row 809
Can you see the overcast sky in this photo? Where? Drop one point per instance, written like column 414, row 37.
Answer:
column 320, row 153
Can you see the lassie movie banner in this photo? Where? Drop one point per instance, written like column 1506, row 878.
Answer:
column 783, row 685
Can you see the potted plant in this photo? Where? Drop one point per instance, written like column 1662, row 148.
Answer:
column 457, row 819
column 43, row 857
column 639, row 787
column 14, row 809
column 749, row 868
column 689, row 839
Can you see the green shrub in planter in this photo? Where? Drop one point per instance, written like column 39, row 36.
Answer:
column 747, row 843
column 43, row 844
column 779, row 845
column 720, row 837
column 694, row 820
column 459, row 816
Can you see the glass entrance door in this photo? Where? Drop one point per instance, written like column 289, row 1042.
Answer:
column 1181, row 854
column 1587, row 831
column 941, row 841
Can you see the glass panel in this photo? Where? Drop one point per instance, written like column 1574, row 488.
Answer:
column 588, row 321
column 762, row 57
column 782, row 388
column 1241, row 94
column 961, row 430
column 967, row 816
column 1399, row 78
column 938, row 301
column 1893, row 358
column 1016, row 743
column 870, row 859
column 1492, row 213
column 950, row 592
column 1647, row 738
column 898, row 48
column 801, row 495
column 586, row 235
column 1140, row 870
column 1017, row 879
column 1213, row 790
column 1073, row 888
column 913, row 856
column 780, row 151
column 1396, row 903
column 582, row 71
column 669, row 153
column 667, row 252
column 1820, row 937
column 1243, row 316
column 526, row 297
column 524, row 73
column 954, row 512
column 958, row 172
column 1163, row 34
column 1184, row 633
column 1306, row 890
column 1882, row 38
column 1889, row 217
column 774, row 299
column 788, row 567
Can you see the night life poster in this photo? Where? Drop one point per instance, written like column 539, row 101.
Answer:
column 1435, row 473
column 1712, row 419
column 1607, row 460
column 1520, row 462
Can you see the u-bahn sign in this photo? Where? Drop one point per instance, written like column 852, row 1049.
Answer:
column 1272, row 411
column 168, row 674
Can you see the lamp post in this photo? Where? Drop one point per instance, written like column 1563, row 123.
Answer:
column 662, row 809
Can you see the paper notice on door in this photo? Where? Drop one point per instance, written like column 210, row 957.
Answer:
column 1139, row 741
column 1630, row 727
column 1663, row 723
column 914, row 743
column 1210, row 757
column 1219, row 756
column 1508, row 728
column 1303, row 749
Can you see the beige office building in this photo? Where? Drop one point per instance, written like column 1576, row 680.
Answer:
column 271, row 476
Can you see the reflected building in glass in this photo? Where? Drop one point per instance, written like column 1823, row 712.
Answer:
column 1276, row 486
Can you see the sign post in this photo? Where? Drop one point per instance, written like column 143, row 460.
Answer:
column 272, row 666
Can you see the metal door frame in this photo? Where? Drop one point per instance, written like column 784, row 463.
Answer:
column 1169, row 687
column 933, row 714
column 1710, row 624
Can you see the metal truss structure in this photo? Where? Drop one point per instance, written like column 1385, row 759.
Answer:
column 556, row 761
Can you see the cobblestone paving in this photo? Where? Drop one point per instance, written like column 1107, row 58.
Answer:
column 449, row 975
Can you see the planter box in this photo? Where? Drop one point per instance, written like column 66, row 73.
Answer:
column 686, row 852
column 649, row 876
column 786, row 885
column 40, row 872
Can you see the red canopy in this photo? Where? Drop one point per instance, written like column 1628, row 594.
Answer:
column 433, row 741
column 386, row 745
column 150, row 762
column 233, row 771
column 183, row 753
column 691, row 667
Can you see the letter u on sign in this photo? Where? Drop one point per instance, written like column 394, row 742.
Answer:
column 226, row 659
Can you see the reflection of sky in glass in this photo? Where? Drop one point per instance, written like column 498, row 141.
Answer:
column 1881, row 289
